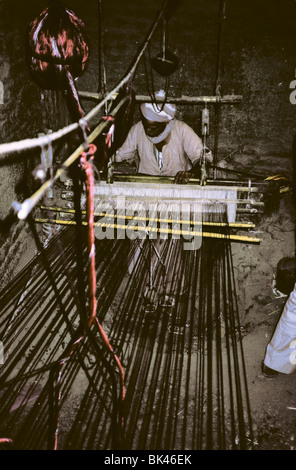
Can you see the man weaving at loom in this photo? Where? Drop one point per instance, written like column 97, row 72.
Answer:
column 165, row 146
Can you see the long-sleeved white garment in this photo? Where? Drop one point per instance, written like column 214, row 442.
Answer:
column 281, row 351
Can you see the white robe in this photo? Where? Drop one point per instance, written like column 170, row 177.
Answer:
column 182, row 151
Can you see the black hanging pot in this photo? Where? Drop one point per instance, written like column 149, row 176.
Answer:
column 165, row 63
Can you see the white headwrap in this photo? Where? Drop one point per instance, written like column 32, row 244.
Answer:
column 158, row 112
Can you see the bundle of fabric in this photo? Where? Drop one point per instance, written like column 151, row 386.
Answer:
column 57, row 51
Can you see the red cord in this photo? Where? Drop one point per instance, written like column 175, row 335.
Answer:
column 89, row 183
column 87, row 166
column 85, row 160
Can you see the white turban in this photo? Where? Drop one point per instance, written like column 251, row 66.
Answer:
column 158, row 112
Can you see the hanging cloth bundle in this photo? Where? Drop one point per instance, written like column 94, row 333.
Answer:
column 57, row 52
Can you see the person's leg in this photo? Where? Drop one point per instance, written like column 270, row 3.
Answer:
column 281, row 351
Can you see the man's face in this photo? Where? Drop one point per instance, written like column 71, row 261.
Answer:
column 153, row 128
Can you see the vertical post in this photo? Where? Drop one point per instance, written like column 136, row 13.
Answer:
column 1, row 93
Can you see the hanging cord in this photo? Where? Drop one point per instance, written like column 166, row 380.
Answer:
column 149, row 72
column 101, row 60
column 218, row 80
column 89, row 183
column 151, row 89
column 222, row 13
column 102, row 85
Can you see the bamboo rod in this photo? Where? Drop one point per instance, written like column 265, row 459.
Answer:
column 183, row 100
column 154, row 219
column 146, row 229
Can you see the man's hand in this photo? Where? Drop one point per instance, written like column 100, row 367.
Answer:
column 182, row 177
